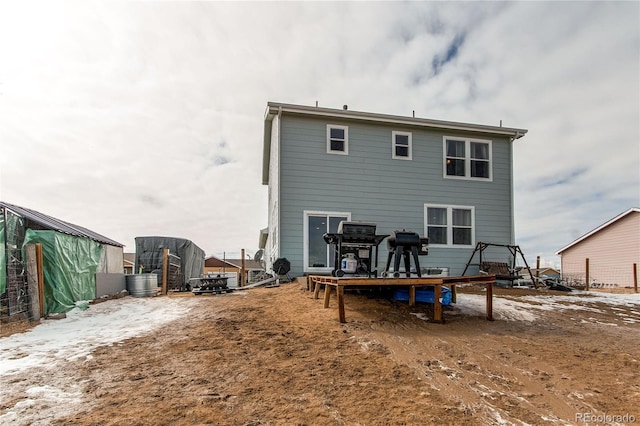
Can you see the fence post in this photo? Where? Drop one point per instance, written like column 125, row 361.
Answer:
column 587, row 274
column 242, row 271
column 635, row 277
column 40, row 265
column 32, row 282
column 537, row 270
column 165, row 270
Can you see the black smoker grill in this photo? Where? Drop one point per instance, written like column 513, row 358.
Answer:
column 405, row 244
column 357, row 239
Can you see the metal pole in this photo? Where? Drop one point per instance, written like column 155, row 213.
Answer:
column 635, row 277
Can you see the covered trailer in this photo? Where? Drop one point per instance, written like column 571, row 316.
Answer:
column 150, row 255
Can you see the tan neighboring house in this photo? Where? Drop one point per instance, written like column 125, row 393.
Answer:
column 547, row 272
column 231, row 268
column 612, row 249
column 129, row 262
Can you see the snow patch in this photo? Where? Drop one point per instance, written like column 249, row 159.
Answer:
column 68, row 339
column 522, row 309
column 504, row 309
column 75, row 336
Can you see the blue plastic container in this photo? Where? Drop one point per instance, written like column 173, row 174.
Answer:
column 424, row 295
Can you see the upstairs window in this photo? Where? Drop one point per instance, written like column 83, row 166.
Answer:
column 337, row 139
column 401, row 145
column 467, row 159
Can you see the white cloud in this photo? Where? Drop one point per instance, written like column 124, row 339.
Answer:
column 140, row 118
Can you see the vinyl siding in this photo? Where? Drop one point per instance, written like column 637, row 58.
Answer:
column 390, row 192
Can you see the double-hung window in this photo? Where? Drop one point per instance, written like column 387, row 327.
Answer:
column 467, row 158
column 337, row 139
column 401, row 145
column 449, row 226
column 318, row 256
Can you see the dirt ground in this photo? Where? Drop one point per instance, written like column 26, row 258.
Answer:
column 275, row 356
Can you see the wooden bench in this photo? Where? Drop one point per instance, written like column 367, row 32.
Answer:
column 500, row 269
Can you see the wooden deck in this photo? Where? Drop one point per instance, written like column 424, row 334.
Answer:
column 314, row 282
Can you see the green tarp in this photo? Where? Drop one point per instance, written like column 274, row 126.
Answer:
column 3, row 257
column 69, row 266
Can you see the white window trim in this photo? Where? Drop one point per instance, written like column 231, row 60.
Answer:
column 305, row 241
column 467, row 159
column 393, row 145
column 346, row 139
column 450, row 208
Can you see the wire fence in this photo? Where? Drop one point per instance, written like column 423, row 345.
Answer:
column 14, row 301
column 174, row 274
column 576, row 274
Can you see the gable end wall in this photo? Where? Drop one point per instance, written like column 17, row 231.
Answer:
column 611, row 251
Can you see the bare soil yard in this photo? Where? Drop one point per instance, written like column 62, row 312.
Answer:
column 275, row 356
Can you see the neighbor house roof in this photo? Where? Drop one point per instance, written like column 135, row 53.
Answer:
column 53, row 224
column 544, row 271
column 600, row 228
column 274, row 109
column 215, row 262
column 248, row 263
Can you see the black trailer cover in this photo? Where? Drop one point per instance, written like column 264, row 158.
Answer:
column 149, row 252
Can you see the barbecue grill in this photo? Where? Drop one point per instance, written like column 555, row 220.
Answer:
column 355, row 241
column 404, row 244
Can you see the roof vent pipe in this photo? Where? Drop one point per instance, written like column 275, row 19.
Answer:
column 344, row 107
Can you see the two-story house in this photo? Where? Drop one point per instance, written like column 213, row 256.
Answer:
column 452, row 182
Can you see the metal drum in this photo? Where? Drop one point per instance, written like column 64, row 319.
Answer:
column 142, row 285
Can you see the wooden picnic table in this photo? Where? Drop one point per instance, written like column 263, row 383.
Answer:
column 314, row 282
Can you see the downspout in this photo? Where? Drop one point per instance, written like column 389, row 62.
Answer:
column 279, row 210
column 513, row 216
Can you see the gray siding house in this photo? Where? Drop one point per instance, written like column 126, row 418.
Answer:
column 452, row 182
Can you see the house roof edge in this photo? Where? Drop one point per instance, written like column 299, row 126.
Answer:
column 274, row 107
column 58, row 225
column 598, row 229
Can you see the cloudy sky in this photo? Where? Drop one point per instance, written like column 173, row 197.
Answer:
column 146, row 118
